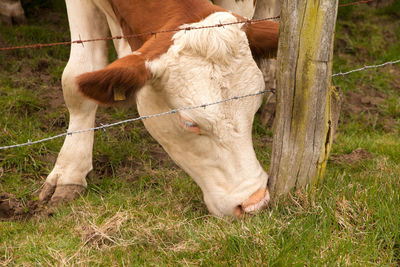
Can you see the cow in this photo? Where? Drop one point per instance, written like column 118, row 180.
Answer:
column 259, row 10
column 11, row 11
column 165, row 71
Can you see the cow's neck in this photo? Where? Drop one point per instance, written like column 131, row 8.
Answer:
column 138, row 17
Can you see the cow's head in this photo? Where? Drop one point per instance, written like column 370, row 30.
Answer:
column 213, row 144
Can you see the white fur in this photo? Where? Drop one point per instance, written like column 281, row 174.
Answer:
column 221, row 160
column 217, row 45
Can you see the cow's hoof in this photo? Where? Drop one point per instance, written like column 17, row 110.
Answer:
column 46, row 193
column 60, row 193
column 66, row 193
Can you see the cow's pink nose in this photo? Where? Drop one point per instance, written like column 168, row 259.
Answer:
column 256, row 202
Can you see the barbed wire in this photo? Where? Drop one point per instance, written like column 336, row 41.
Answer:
column 80, row 41
column 366, row 67
column 357, row 3
column 40, row 45
column 173, row 111
column 29, row 143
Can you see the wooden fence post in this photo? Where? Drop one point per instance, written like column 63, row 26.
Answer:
column 307, row 104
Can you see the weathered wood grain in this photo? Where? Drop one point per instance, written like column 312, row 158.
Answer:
column 306, row 115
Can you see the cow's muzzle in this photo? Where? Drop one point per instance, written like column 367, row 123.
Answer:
column 256, row 202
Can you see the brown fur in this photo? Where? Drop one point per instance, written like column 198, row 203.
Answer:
column 263, row 38
column 129, row 74
column 137, row 17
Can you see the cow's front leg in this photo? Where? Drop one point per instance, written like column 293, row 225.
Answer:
column 68, row 178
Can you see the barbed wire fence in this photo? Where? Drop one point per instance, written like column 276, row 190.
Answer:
column 357, row 3
column 104, row 126
column 131, row 36
column 80, row 41
column 366, row 68
column 170, row 112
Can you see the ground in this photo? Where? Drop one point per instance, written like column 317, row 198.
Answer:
column 140, row 208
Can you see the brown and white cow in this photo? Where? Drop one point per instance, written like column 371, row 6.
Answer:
column 164, row 72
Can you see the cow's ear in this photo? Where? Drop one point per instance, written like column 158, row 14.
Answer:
column 263, row 38
column 117, row 83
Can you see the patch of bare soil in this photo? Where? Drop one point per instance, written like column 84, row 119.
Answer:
column 356, row 103
column 130, row 168
column 2, row 42
column 13, row 209
column 161, row 157
column 381, row 3
column 354, row 157
column 368, row 107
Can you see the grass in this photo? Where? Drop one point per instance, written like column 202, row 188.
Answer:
column 141, row 209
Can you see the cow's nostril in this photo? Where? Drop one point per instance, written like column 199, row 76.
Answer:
column 239, row 212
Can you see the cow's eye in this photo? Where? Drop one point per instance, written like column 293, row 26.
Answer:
column 189, row 125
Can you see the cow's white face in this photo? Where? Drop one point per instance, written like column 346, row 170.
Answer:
column 213, row 144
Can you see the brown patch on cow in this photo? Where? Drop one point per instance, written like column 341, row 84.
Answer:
column 13, row 209
column 125, row 75
column 141, row 17
column 263, row 38
column 121, row 79
column 354, row 157
column 147, row 16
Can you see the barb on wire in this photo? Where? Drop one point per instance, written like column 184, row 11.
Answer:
column 173, row 111
column 357, row 3
column 29, row 143
column 79, row 41
column 366, row 67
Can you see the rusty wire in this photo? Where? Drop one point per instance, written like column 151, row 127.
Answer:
column 250, row 21
column 29, row 143
column 173, row 111
column 357, row 3
column 80, row 41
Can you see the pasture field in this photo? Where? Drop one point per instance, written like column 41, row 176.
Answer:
column 141, row 209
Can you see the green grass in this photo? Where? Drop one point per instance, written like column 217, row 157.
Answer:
column 141, row 209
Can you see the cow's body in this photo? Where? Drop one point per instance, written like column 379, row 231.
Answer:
column 163, row 72
column 11, row 11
